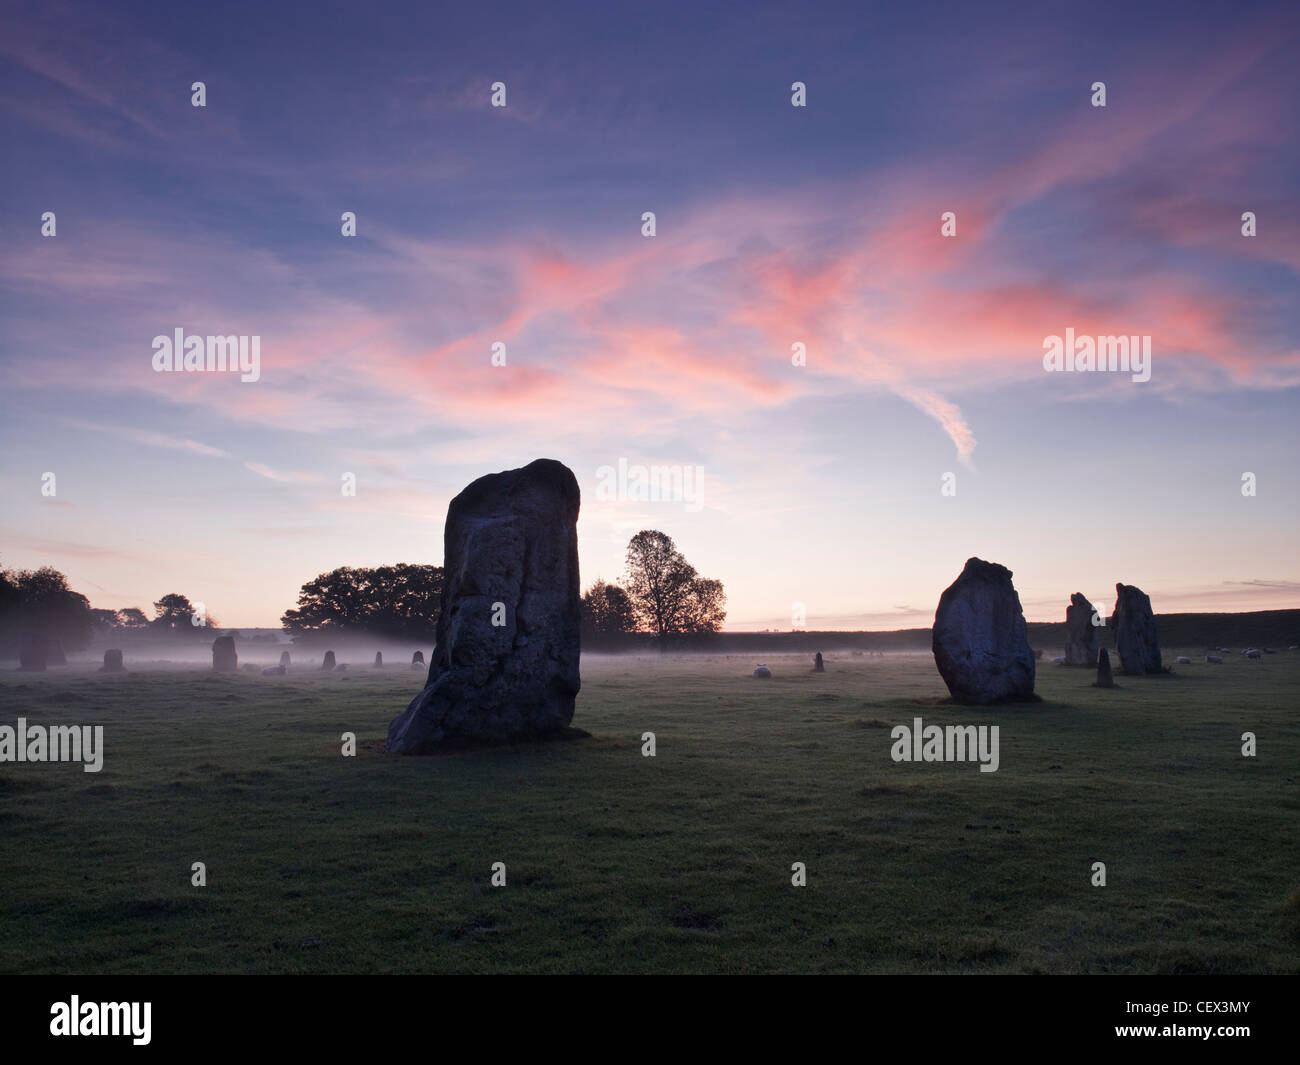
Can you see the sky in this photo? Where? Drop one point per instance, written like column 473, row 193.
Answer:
column 841, row 491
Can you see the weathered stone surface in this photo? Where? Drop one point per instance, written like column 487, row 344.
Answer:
column 1135, row 631
column 1104, row 676
column 328, row 662
column 112, row 662
column 1080, row 633
column 980, row 639
column 34, row 652
column 511, row 557
column 762, row 672
column 224, row 658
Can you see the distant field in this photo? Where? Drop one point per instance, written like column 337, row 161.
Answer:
column 677, row 863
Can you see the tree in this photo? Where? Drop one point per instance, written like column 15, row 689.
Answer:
column 607, row 611
column 668, row 596
column 132, row 618
column 105, row 620
column 41, row 601
column 400, row 601
column 174, row 613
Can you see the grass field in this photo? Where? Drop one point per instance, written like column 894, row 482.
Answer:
column 678, row 863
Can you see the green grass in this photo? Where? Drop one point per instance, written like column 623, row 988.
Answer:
column 317, row 863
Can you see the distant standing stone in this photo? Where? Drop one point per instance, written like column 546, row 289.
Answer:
column 34, row 652
column 1080, row 633
column 379, row 659
column 284, row 659
column 980, row 640
column 1104, row 677
column 417, row 660
column 224, row 658
column 112, row 662
column 818, row 665
column 328, row 662
column 505, row 665
column 762, row 672
column 1135, row 631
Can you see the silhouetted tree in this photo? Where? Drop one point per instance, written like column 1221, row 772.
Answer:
column 132, row 617
column 105, row 620
column 174, row 613
column 607, row 611
column 668, row 596
column 41, row 601
column 400, row 601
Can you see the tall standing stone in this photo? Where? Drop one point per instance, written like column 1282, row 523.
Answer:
column 327, row 663
column 224, row 658
column 417, row 660
column 1104, row 677
column 819, row 666
column 1080, row 633
column 1135, row 631
column 505, row 665
column 284, row 659
column 379, row 659
column 112, row 662
column 980, row 640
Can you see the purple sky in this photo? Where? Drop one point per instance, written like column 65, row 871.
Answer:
column 775, row 225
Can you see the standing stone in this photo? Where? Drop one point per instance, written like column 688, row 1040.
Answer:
column 417, row 660
column 1080, row 633
column 112, row 662
column 34, row 652
column 328, row 663
column 1104, row 677
column 818, row 665
column 379, row 659
column 980, row 640
column 762, row 672
column 224, row 658
column 284, row 659
column 1135, row 631
column 505, row 665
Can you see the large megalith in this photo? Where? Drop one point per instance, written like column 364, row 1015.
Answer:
column 1080, row 633
column 1135, row 631
column 505, row 663
column 112, row 662
column 224, row 658
column 980, row 640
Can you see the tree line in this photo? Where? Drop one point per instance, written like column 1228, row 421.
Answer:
column 661, row 595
